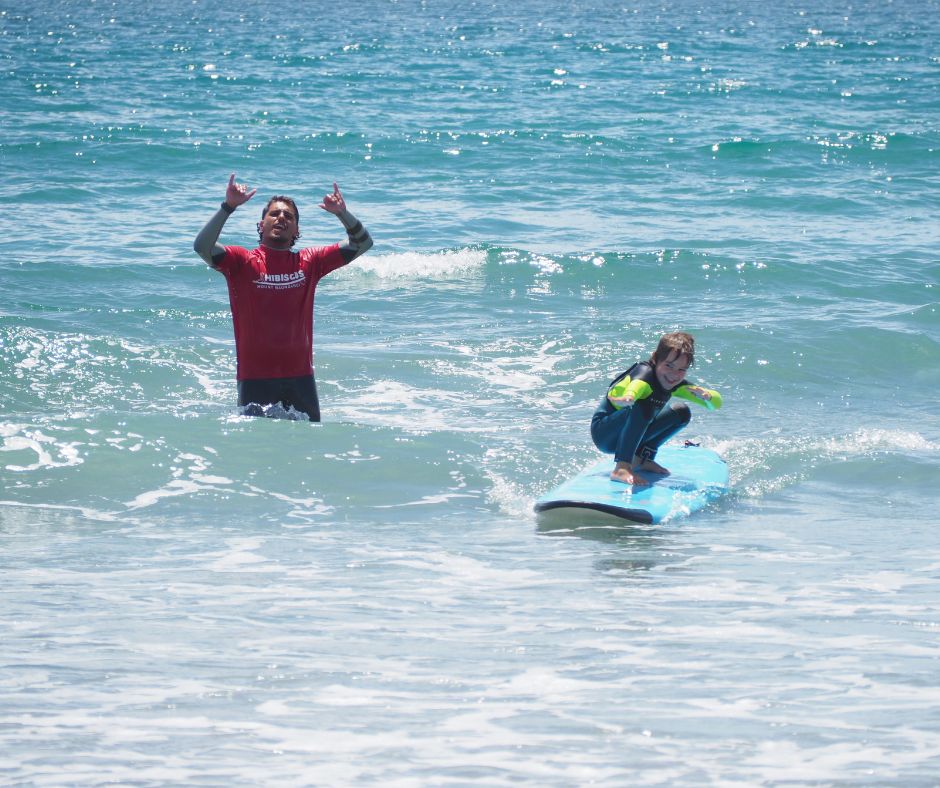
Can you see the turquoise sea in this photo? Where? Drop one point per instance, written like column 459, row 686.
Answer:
column 192, row 597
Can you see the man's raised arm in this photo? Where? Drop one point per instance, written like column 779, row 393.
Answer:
column 358, row 239
column 207, row 244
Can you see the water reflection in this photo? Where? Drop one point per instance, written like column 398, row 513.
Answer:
column 644, row 543
column 631, row 549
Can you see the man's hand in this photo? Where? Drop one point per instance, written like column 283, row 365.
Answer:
column 237, row 193
column 334, row 203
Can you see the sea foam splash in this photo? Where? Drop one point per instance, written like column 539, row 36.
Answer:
column 418, row 265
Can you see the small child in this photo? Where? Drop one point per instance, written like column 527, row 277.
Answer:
column 633, row 419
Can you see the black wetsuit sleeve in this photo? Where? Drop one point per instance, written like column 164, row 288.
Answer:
column 207, row 244
column 358, row 241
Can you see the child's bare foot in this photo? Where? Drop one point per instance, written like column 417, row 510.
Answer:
column 623, row 473
column 653, row 467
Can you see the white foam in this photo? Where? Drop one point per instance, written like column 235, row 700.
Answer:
column 85, row 511
column 49, row 452
column 866, row 441
column 419, row 265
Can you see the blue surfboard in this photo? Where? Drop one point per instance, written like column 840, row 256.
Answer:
column 698, row 476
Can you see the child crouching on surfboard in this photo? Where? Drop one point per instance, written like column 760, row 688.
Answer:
column 635, row 417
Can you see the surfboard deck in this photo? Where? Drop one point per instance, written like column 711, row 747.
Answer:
column 698, row 476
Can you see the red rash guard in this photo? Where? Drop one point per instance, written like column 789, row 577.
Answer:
column 271, row 293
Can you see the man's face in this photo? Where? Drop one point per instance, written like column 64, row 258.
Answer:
column 279, row 226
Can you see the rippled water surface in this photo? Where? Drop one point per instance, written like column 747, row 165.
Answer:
column 191, row 597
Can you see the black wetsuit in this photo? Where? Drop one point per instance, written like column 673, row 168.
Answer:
column 638, row 430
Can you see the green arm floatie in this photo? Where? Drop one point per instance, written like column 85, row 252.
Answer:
column 684, row 392
column 640, row 389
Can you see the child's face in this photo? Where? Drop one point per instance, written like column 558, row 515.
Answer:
column 670, row 372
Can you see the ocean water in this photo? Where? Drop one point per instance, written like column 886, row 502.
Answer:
column 192, row 597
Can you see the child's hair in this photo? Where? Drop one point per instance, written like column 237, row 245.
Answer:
column 678, row 342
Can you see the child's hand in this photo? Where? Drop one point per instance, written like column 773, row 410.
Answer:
column 622, row 402
column 701, row 393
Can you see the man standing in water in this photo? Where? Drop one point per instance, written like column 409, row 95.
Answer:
column 271, row 292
